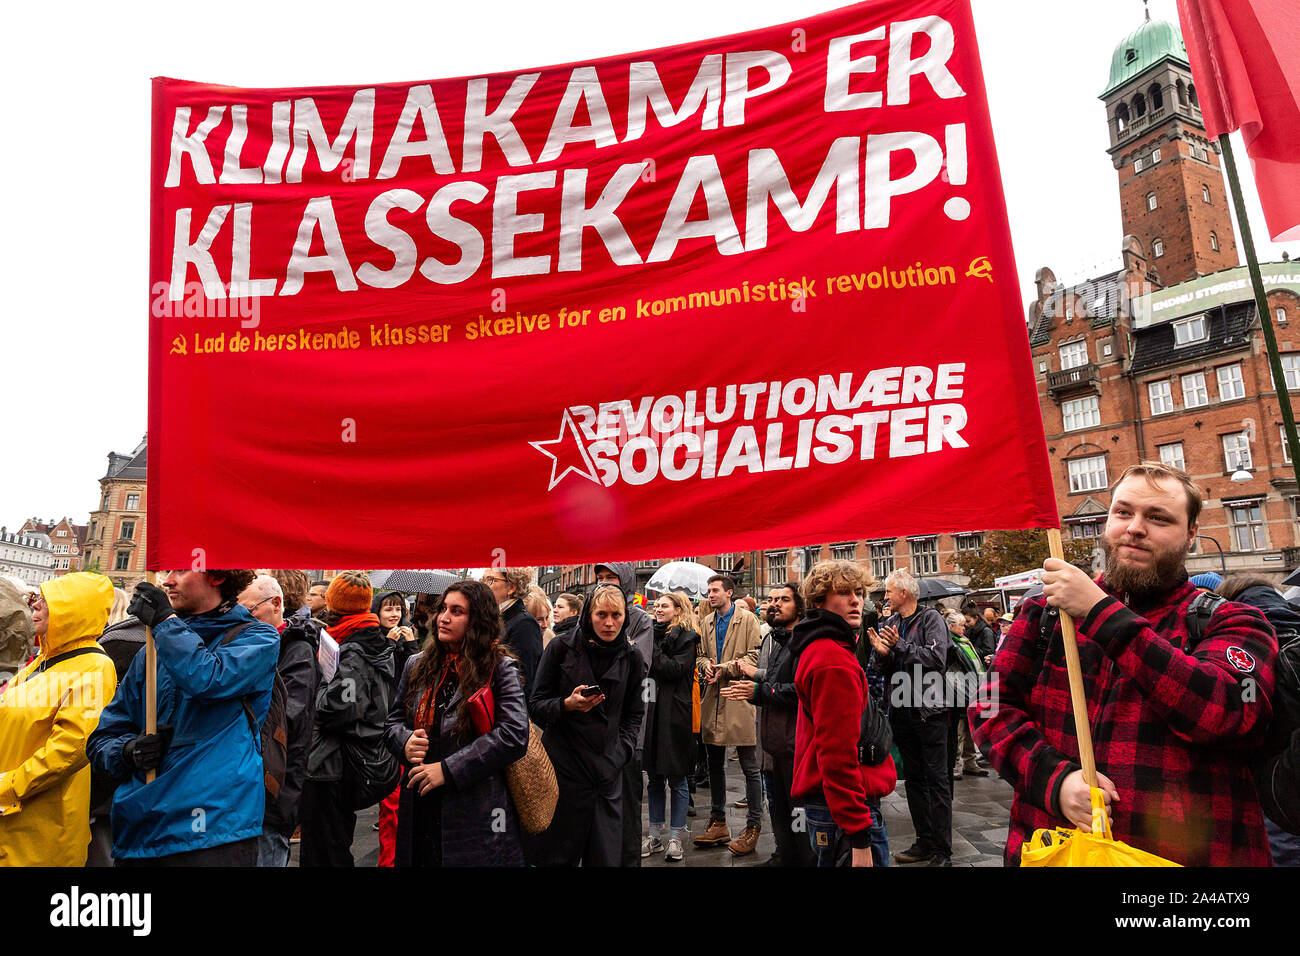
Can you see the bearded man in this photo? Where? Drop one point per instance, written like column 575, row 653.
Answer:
column 1174, row 719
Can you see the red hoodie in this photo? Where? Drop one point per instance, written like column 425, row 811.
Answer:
column 832, row 696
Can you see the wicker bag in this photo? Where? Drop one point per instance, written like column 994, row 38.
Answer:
column 532, row 784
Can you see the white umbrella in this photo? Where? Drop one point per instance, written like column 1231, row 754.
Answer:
column 685, row 576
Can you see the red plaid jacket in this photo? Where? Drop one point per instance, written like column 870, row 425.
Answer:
column 1174, row 730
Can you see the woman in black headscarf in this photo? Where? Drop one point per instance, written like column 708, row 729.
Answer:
column 588, row 699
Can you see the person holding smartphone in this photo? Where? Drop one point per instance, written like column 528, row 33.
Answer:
column 587, row 698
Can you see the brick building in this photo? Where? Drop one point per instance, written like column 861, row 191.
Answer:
column 66, row 539
column 1165, row 358
column 115, row 541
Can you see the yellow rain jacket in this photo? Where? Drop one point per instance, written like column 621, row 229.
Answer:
column 47, row 712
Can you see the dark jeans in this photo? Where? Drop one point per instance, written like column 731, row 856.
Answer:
column 792, row 848
column 829, row 845
column 328, row 823
column 753, row 783
column 927, row 766
column 239, row 853
column 633, row 787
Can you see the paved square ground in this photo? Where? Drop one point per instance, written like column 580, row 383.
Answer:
column 981, row 810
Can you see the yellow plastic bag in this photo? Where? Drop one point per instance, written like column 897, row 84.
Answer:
column 1068, row 847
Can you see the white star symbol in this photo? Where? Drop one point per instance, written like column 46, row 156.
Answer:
column 588, row 471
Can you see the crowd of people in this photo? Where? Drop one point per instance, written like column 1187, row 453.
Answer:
column 285, row 706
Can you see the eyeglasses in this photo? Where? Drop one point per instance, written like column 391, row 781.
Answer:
column 253, row 607
column 493, row 580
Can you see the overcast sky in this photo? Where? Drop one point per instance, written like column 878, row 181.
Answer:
column 75, row 171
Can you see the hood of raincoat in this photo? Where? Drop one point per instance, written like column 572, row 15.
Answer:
column 79, row 604
column 626, row 576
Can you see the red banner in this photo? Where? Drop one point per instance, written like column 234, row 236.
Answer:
column 743, row 293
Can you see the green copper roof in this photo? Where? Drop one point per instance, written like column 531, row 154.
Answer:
column 1143, row 48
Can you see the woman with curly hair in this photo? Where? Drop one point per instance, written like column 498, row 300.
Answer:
column 458, row 720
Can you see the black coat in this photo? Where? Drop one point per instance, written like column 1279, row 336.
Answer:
column 588, row 749
column 298, row 669
column 354, row 705
column 670, row 749
column 983, row 639
column 777, row 695
column 524, row 637
column 474, row 831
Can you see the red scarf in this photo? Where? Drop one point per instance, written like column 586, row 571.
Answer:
column 351, row 624
column 424, row 713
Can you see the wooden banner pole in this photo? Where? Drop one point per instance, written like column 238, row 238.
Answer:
column 1082, row 727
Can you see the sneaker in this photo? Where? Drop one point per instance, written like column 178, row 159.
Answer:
column 297, row 835
column 939, row 860
column 745, row 843
column 674, row 852
column 716, row 835
column 742, row 803
column 977, row 771
column 956, row 775
column 913, row 854
column 651, row 844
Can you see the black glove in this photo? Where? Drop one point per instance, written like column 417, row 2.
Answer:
column 146, row 751
column 149, row 605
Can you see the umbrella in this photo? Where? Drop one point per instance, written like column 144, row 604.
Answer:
column 1292, row 579
column 932, row 589
column 424, row 581
column 681, row 576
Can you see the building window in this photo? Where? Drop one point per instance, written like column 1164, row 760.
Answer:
column 128, row 530
column 1172, row 455
column 1161, row 396
column 1247, row 522
column 1286, row 446
column 1155, row 157
column 1205, row 190
column 1214, row 241
column 1087, row 474
column 1089, row 529
column 1187, row 331
column 1230, row 383
column 776, row 567
column 1074, row 354
column 1158, row 247
column 1236, row 452
column 132, row 502
column 103, row 506
column 1281, row 316
column 1291, row 370
column 807, row 558
column 1042, row 367
column 1081, row 413
column 122, row 561
column 1151, row 201
column 968, row 543
column 1138, row 165
column 882, row 558
column 1195, row 394
column 925, row 555
column 843, row 552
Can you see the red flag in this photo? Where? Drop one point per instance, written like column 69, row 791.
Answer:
column 1245, row 55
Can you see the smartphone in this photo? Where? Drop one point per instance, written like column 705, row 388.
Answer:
column 591, row 690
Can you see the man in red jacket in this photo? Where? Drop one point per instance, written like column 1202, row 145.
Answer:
column 1174, row 720
column 829, row 782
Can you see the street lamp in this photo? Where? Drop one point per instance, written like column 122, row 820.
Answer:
column 1222, row 563
column 1240, row 475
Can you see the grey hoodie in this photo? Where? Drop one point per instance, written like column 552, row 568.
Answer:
column 640, row 627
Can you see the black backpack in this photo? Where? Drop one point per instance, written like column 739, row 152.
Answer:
column 875, row 736
column 273, row 741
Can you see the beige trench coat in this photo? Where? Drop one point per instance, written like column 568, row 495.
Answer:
column 728, row 723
